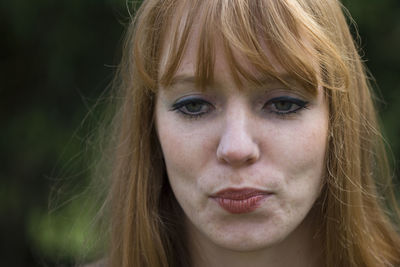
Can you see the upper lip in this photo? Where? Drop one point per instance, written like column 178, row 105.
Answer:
column 239, row 193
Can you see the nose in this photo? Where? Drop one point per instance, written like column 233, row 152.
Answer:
column 237, row 146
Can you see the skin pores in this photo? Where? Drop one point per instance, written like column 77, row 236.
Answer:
column 270, row 139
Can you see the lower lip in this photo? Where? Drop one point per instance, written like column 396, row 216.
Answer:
column 238, row 206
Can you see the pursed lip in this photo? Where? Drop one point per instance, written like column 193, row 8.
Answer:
column 240, row 200
column 239, row 193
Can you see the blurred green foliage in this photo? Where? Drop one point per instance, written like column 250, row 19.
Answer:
column 57, row 58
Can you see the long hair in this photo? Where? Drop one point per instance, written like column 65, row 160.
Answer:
column 311, row 40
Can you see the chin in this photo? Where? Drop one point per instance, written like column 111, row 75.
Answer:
column 246, row 244
column 248, row 241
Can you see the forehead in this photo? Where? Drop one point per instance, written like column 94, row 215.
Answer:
column 223, row 65
column 192, row 48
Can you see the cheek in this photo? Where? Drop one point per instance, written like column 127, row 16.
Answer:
column 302, row 161
column 182, row 148
column 187, row 153
column 308, row 146
column 187, row 150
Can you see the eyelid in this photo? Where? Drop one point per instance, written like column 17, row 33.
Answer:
column 291, row 99
column 181, row 107
column 292, row 92
column 301, row 104
column 188, row 100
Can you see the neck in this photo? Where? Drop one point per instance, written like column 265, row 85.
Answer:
column 302, row 248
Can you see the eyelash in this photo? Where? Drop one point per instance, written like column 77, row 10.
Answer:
column 183, row 104
column 301, row 104
column 180, row 106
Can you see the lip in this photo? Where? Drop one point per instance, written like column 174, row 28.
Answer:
column 240, row 200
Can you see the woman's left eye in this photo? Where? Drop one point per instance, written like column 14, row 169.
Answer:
column 284, row 105
column 192, row 107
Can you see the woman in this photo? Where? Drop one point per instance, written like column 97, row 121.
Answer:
column 247, row 136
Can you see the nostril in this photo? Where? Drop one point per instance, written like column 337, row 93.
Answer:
column 238, row 153
column 235, row 160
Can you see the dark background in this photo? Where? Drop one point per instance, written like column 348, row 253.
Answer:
column 56, row 58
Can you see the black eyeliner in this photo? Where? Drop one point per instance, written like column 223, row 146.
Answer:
column 299, row 102
column 181, row 107
column 186, row 101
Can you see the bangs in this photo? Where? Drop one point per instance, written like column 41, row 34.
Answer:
column 277, row 39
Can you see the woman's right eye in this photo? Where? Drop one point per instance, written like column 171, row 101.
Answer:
column 192, row 108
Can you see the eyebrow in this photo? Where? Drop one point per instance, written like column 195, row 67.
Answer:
column 262, row 81
column 183, row 78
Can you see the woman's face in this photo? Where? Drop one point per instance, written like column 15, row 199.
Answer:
column 245, row 165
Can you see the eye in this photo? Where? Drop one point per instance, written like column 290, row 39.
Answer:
column 282, row 105
column 192, row 107
column 285, row 105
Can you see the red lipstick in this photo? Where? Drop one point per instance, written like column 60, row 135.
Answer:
column 242, row 200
